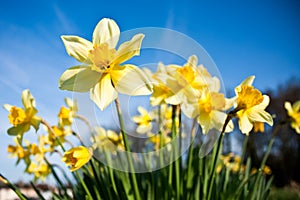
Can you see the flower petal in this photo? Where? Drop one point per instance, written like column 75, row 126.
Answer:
column 244, row 124
column 106, row 31
column 77, row 47
column 78, row 79
column 103, row 93
column 129, row 49
column 260, row 116
column 130, row 80
column 28, row 100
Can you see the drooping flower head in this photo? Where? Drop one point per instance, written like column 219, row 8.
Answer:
column 101, row 71
column 76, row 157
column 293, row 112
column 144, row 120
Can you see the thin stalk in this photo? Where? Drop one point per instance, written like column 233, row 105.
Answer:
column 216, row 157
column 13, row 187
column 127, row 148
column 84, row 185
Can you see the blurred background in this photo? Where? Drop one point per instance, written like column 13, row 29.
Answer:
column 245, row 38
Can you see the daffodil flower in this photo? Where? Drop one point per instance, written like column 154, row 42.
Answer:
column 143, row 121
column 186, row 81
column 108, row 140
column 250, row 105
column 76, row 157
column 101, row 71
column 208, row 109
column 293, row 112
column 23, row 118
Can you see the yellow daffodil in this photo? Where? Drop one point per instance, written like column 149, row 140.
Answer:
column 155, row 139
column 40, row 170
column 108, row 140
column 160, row 90
column 23, row 118
column 251, row 105
column 186, row 81
column 143, row 121
column 293, row 112
column 76, row 157
column 101, row 72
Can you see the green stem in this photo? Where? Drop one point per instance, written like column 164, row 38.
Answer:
column 216, row 157
column 127, row 148
column 13, row 187
column 174, row 132
column 84, row 185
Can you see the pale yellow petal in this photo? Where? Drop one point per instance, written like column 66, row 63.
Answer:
column 205, row 122
column 103, row 93
column 192, row 61
column 130, row 80
column 248, row 81
column 78, row 79
column 144, row 128
column 296, row 106
column 77, row 47
column 106, row 31
column 260, row 116
column 129, row 49
column 218, row 119
column 288, row 106
column 28, row 100
column 244, row 124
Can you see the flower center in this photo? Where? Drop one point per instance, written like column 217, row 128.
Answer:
column 101, row 56
column 187, row 73
column 17, row 116
column 64, row 113
column 205, row 104
column 249, row 97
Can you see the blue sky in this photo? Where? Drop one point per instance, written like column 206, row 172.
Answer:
column 242, row 37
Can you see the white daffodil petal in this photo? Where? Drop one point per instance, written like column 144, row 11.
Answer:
column 103, row 93
column 7, row 107
column 244, row 124
column 78, row 79
column 190, row 110
column 288, row 106
column 192, row 61
column 28, row 100
column 106, row 31
column 205, row 122
column 77, row 47
column 129, row 49
column 248, row 81
column 130, row 80
column 260, row 116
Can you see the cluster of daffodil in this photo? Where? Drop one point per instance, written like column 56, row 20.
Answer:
column 104, row 71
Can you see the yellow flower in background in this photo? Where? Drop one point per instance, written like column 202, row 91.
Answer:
column 208, row 110
column 101, row 72
column 40, row 170
column 160, row 91
column 66, row 115
column 23, row 118
column 76, row 157
column 156, row 140
column 293, row 112
column 144, row 120
column 251, row 105
column 108, row 140
column 258, row 127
